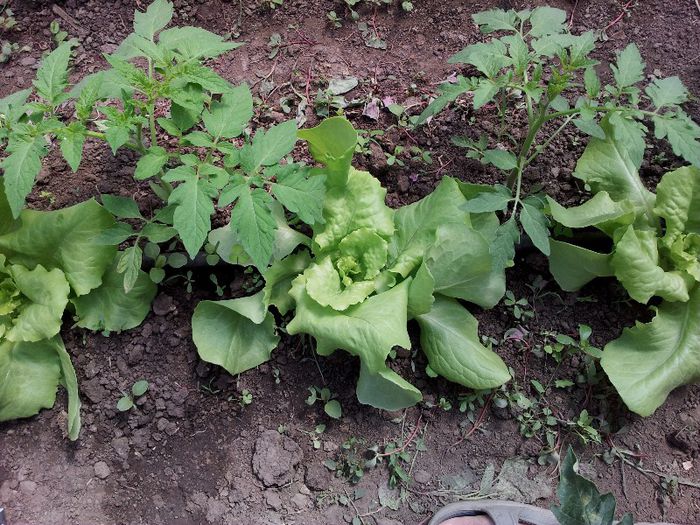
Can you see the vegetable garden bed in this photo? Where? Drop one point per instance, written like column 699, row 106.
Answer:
column 195, row 310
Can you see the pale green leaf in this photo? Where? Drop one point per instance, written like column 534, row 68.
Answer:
column 30, row 374
column 678, row 200
column 44, row 296
column 417, row 222
column 110, row 308
column 573, row 267
column 237, row 334
column 462, row 266
column 385, row 389
column 279, row 277
column 649, row 360
column 357, row 204
column 70, row 383
column 63, row 239
column 636, row 265
column 332, row 143
column 606, row 165
column 368, row 330
column 600, row 211
column 450, row 340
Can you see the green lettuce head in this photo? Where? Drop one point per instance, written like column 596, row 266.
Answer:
column 369, row 271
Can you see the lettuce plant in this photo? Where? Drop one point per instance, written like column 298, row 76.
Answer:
column 362, row 275
column 215, row 160
column 49, row 262
column 655, row 254
column 536, row 67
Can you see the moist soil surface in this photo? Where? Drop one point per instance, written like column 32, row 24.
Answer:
column 193, row 451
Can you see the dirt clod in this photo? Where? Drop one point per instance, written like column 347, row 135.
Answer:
column 275, row 458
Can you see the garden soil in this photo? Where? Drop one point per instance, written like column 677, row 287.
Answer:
column 192, row 452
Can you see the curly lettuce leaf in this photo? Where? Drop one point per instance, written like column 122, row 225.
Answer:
column 678, row 200
column 368, row 330
column 607, row 165
column 30, row 373
column 278, row 280
column 63, row 239
column 649, row 360
column 34, row 310
column 636, row 265
column 324, row 285
column 357, row 204
column 450, row 340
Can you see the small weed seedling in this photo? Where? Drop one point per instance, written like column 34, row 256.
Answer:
column 315, row 435
column 331, row 406
column 128, row 400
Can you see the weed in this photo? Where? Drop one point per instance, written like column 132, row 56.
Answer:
column 128, row 400
column 331, row 406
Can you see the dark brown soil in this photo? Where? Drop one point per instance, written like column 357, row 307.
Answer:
column 185, row 455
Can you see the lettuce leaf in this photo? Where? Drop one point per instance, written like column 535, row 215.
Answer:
column 649, row 360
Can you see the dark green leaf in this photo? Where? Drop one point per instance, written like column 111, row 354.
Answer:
column 299, row 193
column 580, row 501
column 193, row 209
column 495, row 20
column 629, row 68
column 535, row 225
column 682, row 133
column 20, row 168
column 157, row 16
column 270, row 146
column 72, row 140
column 115, row 235
column 667, row 92
column 151, row 163
column 252, row 221
column 52, row 76
column 228, row 117
column 129, row 264
column 121, row 207
column 503, row 160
